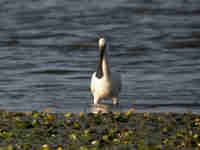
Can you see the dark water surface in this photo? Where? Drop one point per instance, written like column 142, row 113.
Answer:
column 48, row 51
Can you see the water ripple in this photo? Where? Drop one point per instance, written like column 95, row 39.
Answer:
column 49, row 52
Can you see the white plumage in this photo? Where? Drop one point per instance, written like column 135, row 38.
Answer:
column 105, row 84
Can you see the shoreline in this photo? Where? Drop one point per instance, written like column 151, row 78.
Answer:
column 106, row 107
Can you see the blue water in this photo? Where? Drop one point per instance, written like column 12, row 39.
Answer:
column 48, row 51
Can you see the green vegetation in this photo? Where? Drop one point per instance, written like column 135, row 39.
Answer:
column 111, row 131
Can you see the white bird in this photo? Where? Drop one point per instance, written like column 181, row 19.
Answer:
column 105, row 84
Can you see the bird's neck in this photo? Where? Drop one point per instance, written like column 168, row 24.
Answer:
column 105, row 66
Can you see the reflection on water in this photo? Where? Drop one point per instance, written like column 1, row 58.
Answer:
column 106, row 108
column 100, row 108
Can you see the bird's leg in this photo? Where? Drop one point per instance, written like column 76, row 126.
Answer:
column 96, row 100
column 115, row 100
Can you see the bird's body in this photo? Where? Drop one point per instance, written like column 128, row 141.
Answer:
column 105, row 84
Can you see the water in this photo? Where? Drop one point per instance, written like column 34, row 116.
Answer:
column 48, row 51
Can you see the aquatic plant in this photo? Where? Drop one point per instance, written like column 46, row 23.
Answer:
column 114, row 130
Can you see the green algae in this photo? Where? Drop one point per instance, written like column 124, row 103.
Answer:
column 114, row 130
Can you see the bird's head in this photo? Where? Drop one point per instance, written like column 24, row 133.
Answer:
column 102, row 47
column 102, row 43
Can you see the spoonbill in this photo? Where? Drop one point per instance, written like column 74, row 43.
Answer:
column 105, row 84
